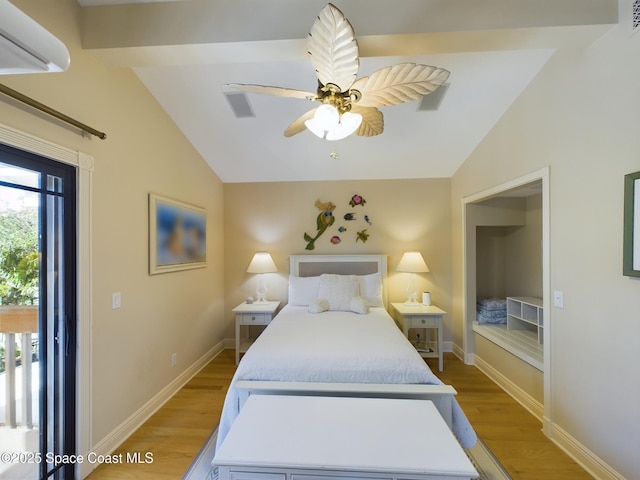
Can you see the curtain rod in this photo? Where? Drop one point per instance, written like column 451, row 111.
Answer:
column 50, row 111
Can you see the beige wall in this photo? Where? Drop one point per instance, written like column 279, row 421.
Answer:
column 580, row 117
column 509, row 258
column 405, row 215
column 144, row 152
column 524, row 253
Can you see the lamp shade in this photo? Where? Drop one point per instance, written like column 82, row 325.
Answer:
column 325, row 119
column 349, row 123
column 412, row 262
column 262, row 263
column 329, row 124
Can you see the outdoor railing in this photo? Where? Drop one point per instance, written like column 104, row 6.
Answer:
column 19, row 326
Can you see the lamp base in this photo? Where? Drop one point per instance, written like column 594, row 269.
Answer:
column 261, row 298
column 412, row 303
column 411, row 298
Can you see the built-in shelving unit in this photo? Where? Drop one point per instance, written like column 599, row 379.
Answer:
column 523, row 333
column 525, row 313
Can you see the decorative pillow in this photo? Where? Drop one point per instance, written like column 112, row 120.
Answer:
column 371, row 289
column 303, row 290
column 338, row 290
column 318, row 305
column 359, row 305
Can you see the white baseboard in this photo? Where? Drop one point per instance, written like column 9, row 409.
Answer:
column 523, row 398
column 584, row 457
column 114, row 439
column 458, row 352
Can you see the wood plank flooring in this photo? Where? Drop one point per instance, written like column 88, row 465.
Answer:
column 514, row 435
column 176, row 432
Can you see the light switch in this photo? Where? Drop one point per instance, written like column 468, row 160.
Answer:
column 116, row 300
column 558, row 299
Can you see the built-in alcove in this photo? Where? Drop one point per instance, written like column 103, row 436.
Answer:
column 509, row 266
column 506, row 231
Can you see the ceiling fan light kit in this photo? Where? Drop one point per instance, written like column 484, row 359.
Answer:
column 327, row 123
column 350, row 105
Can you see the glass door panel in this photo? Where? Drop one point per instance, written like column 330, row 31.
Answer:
column 37, row 316
column 19, row 321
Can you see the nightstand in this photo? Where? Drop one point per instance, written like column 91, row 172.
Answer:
column 252, row 314
column 421, row 316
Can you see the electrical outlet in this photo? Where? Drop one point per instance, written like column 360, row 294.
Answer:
column 174, row 359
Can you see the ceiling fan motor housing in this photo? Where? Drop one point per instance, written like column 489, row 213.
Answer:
column 330, row 94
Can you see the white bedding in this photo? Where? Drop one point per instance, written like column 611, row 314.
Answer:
column 334, row 346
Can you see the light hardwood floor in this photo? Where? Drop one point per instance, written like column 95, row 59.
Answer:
column 176, row 432
column 514, row 435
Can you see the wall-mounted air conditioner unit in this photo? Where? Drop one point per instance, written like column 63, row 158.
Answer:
column 26, row 46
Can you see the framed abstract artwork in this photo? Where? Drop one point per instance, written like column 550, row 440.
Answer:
column 177, row 235
column 631, row 243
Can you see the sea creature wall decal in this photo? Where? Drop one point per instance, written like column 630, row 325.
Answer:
column 362, row 236
column 357, row 200
column 324, row 220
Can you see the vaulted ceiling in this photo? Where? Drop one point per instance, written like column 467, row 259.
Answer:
column 185, row 52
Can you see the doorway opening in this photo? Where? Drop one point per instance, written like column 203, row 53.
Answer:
column 506, row 287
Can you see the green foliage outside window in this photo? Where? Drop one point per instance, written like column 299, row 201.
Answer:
column 19, row 257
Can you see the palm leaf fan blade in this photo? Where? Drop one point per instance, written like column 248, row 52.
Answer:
column 372, row 121
column 298, row 125
column 333, row 48
column 398, row 84
column 275, row 91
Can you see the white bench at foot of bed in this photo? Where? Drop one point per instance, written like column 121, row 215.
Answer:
column 278, row 437
column 440, row 395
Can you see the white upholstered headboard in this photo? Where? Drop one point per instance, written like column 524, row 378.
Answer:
column 314, row 265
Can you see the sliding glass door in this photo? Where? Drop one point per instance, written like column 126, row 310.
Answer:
column 37, row 316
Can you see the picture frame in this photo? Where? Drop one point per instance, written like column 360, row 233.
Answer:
column 177, row 235
column 631, row 239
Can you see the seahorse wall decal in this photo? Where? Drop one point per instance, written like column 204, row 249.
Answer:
column 325, row 220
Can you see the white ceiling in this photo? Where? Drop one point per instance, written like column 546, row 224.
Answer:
column 186, row 51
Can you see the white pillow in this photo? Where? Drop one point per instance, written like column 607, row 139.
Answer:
column 303, row 290
column 371, row 289
column 359, row 305
column 338, row 290
column 318, row 305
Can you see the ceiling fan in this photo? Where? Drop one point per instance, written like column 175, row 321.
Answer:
column 350, row 105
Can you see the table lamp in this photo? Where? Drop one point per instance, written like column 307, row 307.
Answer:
column 262, row 263
column 412, row 263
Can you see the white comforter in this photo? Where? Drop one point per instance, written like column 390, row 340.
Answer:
column 339, row 347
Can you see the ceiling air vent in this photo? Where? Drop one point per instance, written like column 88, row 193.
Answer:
column 432, row 101
column 635, row 16
column 239, row 104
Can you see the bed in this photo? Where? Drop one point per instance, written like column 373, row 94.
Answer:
column 335, row 338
